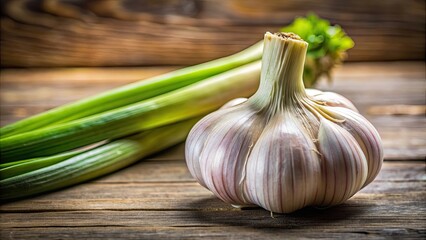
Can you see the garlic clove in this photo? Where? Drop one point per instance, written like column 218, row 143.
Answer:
column 195, row 144
column 331, row 99
column 230, row 141
column 234, row 102
column 283, row 169
column 344, row 165
column 367, row 138
column 198, row 135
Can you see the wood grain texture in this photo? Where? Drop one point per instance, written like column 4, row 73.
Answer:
column 29, row 91
column 168, row 32
column 167, row 185
column 213, row 232
column 159, row 200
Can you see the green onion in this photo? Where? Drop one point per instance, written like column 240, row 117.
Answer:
column 95, row 162
column 28, row 165
column 11, row 169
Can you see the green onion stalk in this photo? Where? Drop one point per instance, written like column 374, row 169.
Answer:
column 134, row 92
column 92, row 163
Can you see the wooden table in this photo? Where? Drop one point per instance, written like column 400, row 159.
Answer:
column 158, row 199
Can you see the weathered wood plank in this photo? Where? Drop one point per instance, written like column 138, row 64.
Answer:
column 383, row 209
column 153, row 170
column 220, row 232
column 172, row 188
column 48, row 88
column 87, row 76
column 347, row 216
column 378, row 215
column 130, row 32
column 188, row 198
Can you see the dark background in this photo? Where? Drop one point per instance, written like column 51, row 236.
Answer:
column 52, row 33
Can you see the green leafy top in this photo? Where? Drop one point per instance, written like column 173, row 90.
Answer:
column 327, row 45
column 323, row 38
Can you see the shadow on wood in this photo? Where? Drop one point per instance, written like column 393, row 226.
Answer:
column 256, row 217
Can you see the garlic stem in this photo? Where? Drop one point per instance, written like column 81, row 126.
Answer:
column 281, row 81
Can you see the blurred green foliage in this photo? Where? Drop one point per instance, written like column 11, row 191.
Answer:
column 327, row 45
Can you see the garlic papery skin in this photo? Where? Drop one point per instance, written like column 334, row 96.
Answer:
column 286, row 147
column 326, row 98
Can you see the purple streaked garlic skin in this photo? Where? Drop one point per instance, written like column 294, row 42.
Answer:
column 286, row 147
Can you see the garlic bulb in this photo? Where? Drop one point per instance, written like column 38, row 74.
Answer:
column 284, row 148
